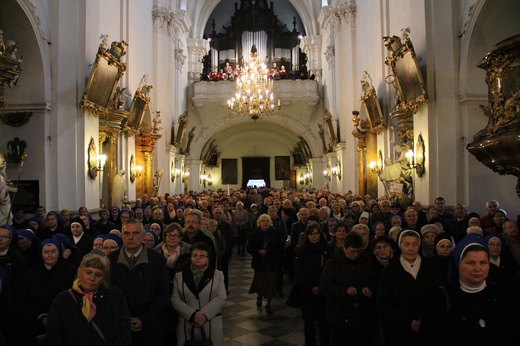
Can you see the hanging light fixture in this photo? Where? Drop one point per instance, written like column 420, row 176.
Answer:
column 254, row 96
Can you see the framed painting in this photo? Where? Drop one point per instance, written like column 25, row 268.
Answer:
column 229, row 171
column 407, row 75
column 282, row 167
column 106, row 72
column 372, row 107
column 138, row 107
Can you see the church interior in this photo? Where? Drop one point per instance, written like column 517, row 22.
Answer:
column 379, row 97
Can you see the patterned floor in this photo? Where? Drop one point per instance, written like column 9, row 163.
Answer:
column 245, row 324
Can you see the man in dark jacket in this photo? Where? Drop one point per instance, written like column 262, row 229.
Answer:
column 141, row 275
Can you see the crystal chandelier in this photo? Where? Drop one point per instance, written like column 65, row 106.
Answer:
column 254, row 96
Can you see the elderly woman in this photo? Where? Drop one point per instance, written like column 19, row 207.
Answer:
column 44, row 282
column 91, row 313
column 266, row 246
column 404, row 287
column 198, row 296
column 308, row 266
column 472, row 310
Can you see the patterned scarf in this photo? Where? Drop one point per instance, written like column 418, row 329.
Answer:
column 197, row 274
column 88, row 308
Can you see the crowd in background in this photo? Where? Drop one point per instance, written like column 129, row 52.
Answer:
column 375, row 265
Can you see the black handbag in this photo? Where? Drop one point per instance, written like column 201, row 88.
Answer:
column 198, row 342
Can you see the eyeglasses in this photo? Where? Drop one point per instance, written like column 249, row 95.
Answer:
column 190, row 222
column 495, row 245
column 5, row 237
column 199, row 256
column 169, row 235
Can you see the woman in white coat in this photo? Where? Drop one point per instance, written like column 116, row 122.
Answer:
column 198, row 296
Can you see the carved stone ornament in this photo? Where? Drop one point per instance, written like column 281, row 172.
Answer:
column 330, row 53
column 496, row 146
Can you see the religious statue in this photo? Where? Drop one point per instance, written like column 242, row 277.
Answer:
column 5, row 189
column 191, row 135
column 156, row 121
column 398, row 172
column 118, row 190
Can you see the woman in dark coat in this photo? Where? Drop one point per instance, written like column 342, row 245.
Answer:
column 93, row 312
column 403, row 289
column 308, row 265
column 265, row 245
column 348, row 281
column 29, row 247
column 44, row 282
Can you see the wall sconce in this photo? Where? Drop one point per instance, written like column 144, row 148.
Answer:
column 410, row 157
column 175, row 173
column 305, row 179
column 336, row 170
column 102, row 159
column 185, row 175
column 326, row 172
column 375, row 168
column 206, row 179
column 135, row 171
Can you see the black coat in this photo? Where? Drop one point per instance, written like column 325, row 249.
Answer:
column 68, row 326
column 309, row 263
column 41, row 286
column 270, row 240
column 453, row 317
column 340, row 273
column 145, row 289
column 401, row 299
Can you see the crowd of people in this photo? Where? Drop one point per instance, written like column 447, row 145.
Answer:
column 363, row 271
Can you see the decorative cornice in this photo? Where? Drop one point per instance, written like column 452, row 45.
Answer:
column 335, row 17
column 176, row 23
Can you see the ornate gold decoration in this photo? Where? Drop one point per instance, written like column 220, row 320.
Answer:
column 371, row 104
column 408, row 78
column 139, row 105
column 496, row 146
column 106, row 72
column 9, row 67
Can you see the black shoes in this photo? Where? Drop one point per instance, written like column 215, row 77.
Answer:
column 269, row 309
column 259, row 302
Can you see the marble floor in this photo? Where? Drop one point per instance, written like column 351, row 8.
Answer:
column 245, row 324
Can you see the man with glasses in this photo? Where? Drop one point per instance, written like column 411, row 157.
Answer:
column 193, row 234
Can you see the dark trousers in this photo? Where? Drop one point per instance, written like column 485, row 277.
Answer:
column 313, row 312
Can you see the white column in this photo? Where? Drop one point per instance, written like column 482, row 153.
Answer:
column 311, row 45
column 197, row 49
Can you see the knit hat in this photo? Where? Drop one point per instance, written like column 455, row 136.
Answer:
column 429, row 228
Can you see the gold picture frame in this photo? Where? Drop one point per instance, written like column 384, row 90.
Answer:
column 138, row 107
column 420, row 158
column 372, row 107
column 407, row 75
column 104, row 78
column 92, row 159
